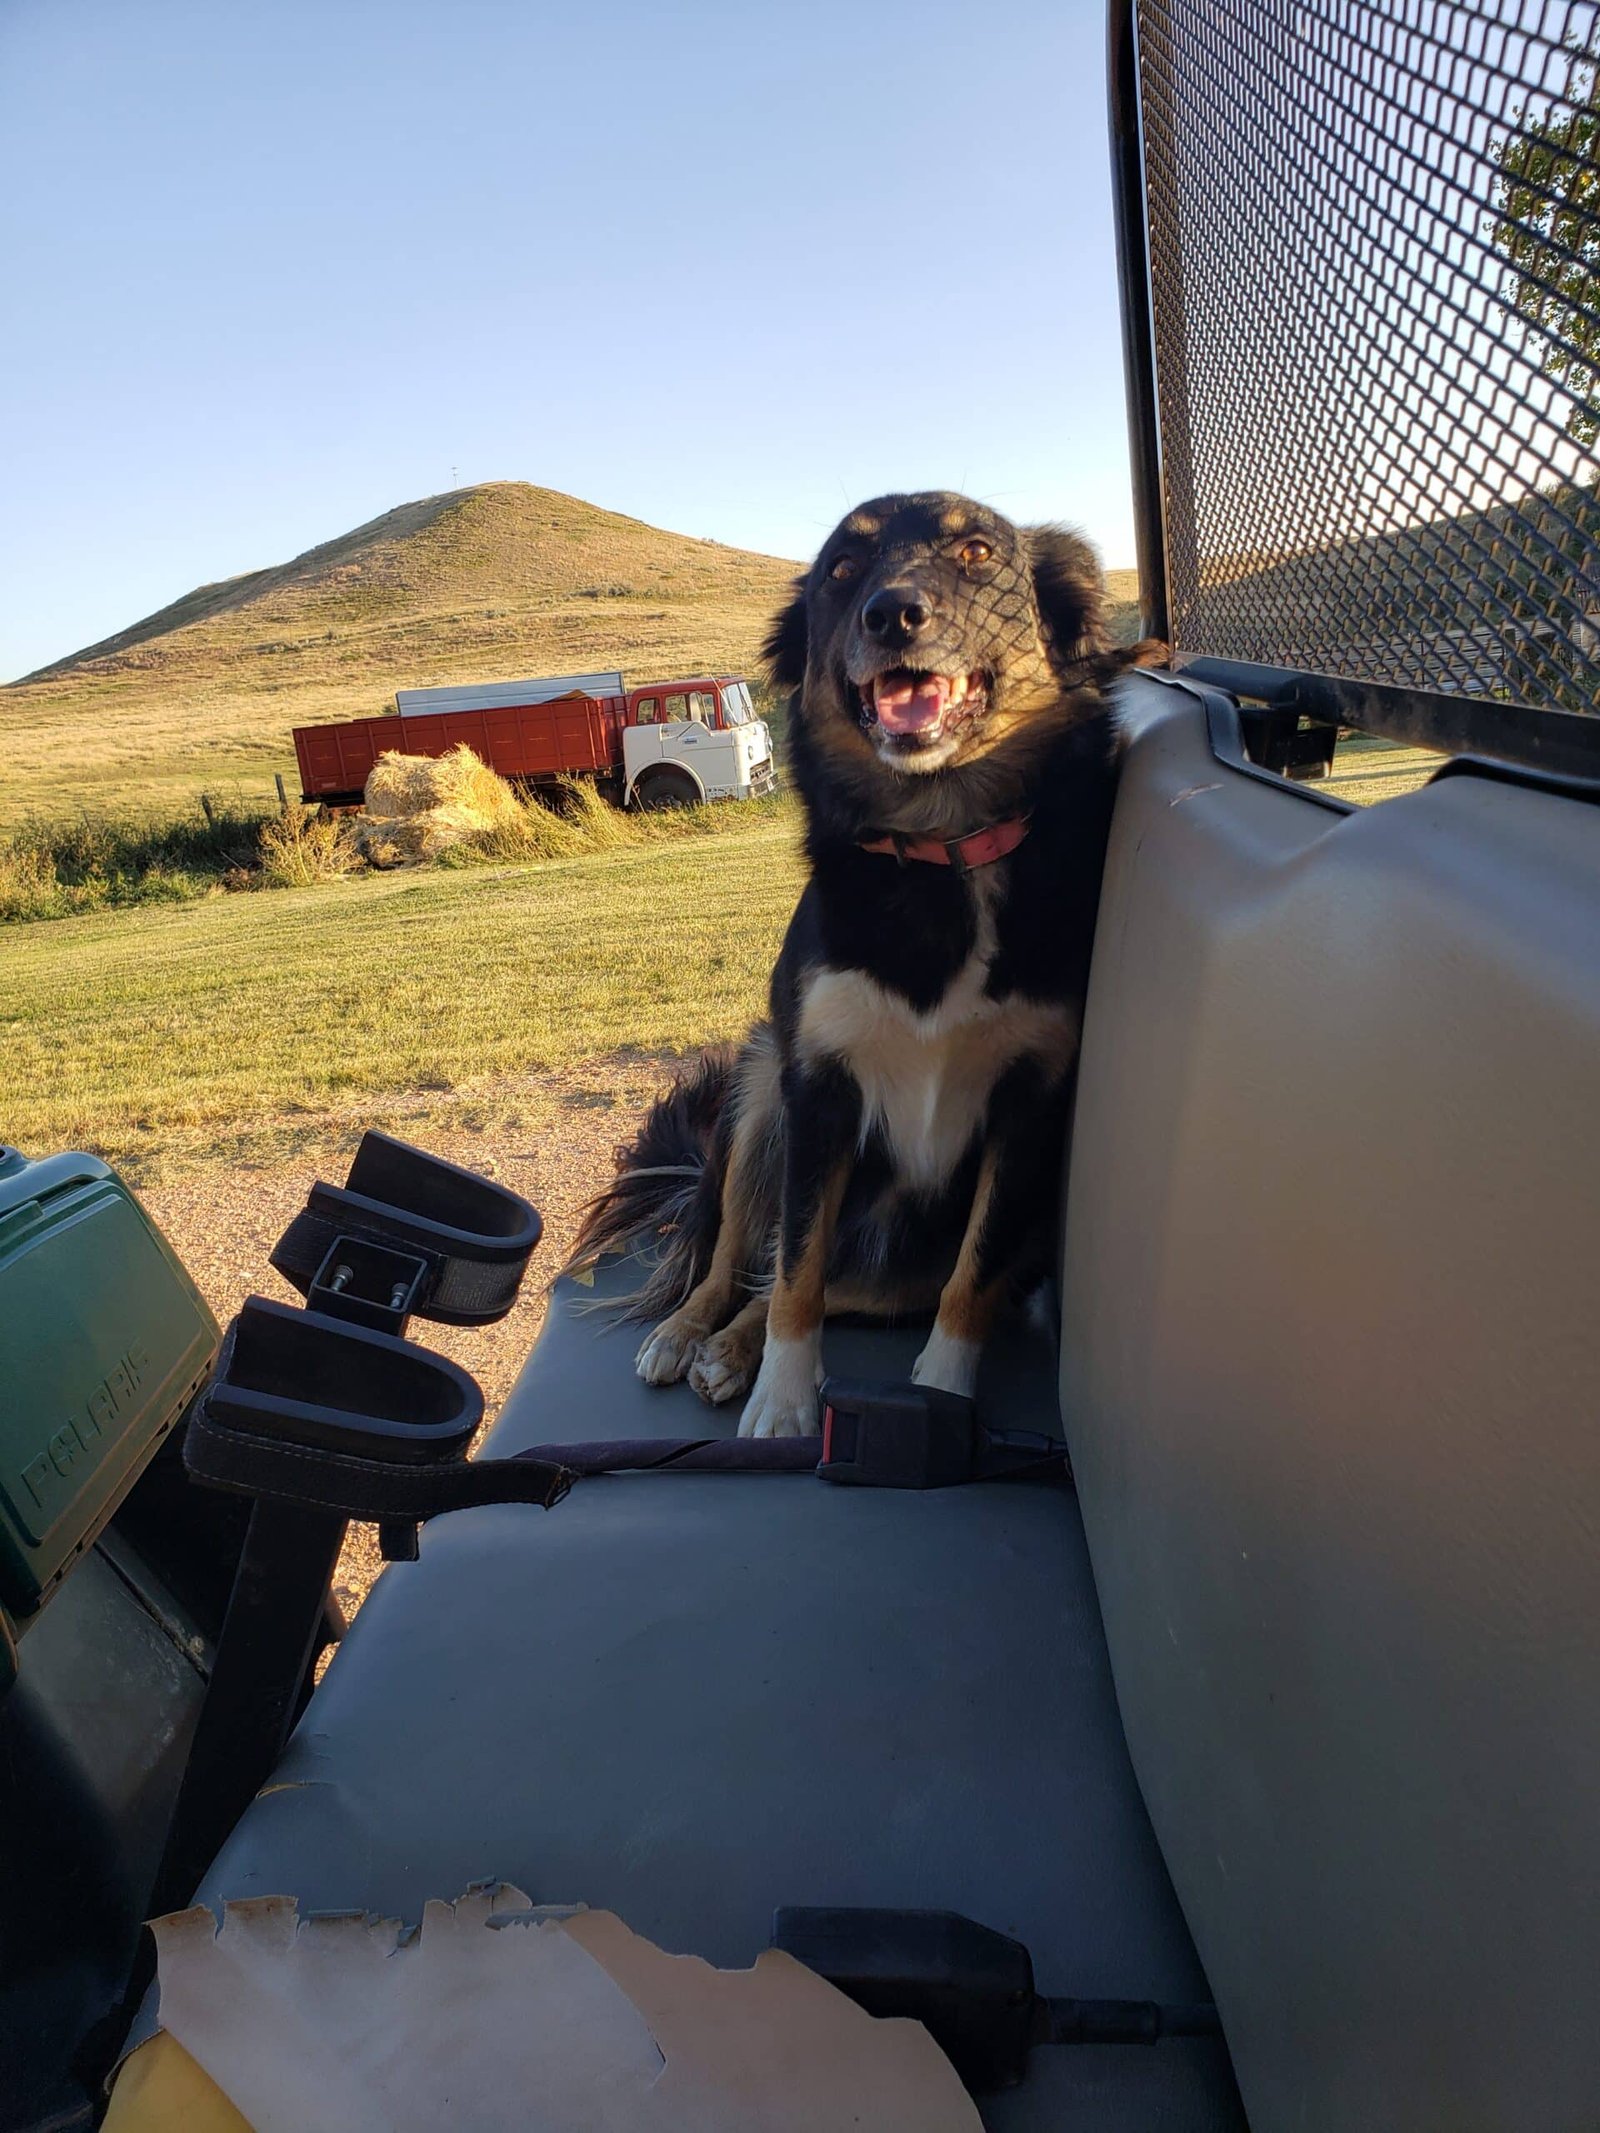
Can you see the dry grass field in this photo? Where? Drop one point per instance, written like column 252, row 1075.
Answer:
column 480, row 584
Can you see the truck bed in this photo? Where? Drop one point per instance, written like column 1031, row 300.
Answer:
column 571, row 735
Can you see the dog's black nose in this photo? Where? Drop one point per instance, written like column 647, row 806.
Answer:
column 895, row 614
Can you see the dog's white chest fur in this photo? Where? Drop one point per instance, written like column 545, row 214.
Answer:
column 925, row 1079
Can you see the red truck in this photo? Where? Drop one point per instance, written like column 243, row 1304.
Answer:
column 664, row 744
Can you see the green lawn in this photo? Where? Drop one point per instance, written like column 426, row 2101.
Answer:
column 144, row 1034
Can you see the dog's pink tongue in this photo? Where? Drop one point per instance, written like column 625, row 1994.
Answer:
column 911, row 707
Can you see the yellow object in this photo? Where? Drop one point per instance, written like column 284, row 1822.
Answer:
column 160, row 2089
column 419, row 805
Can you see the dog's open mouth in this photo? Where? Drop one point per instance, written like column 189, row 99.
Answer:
column 915, row 709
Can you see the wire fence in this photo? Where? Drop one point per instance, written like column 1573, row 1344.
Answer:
column 1374, row 236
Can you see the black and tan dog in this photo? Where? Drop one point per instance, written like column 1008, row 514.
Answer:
column 889, row 1141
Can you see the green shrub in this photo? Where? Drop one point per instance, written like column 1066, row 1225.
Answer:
column 28, row 886
column 56, row 869
column 301, row 847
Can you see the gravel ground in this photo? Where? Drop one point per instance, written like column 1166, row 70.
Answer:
column 224, row 1222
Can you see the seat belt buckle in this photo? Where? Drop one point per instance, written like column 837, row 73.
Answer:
column 889, row 1436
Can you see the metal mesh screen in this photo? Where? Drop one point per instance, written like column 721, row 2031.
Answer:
column 1375, row 274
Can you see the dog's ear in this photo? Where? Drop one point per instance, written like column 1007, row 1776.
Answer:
column 785, row 648
column 1069, row 590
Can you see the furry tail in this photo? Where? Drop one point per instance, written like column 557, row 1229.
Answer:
column 665, row 1201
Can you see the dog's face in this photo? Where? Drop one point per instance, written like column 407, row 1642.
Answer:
column 930, row 630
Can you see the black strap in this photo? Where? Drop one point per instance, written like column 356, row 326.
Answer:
column 683, row 1455
column 1020, row 1456
column 371, row 1489
column 382, row 1491
column 379, row 1490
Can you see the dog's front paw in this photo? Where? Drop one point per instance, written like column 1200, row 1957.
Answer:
column 948, row 1364
column 667, row 1353
column 721, row 1375
column 784, row 1401
column 766, row 1415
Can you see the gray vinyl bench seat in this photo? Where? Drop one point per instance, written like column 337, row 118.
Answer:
column 692, row 1698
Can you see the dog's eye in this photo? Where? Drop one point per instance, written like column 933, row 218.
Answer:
column 976, row 552
column 844, row 570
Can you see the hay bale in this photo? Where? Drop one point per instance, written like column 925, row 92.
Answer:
column 399, row 785
column 420, row 805
column 415, row 784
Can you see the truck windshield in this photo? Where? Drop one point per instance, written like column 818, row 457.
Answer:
column 735, row 702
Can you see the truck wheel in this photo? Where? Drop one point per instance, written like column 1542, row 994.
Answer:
column 666, row 788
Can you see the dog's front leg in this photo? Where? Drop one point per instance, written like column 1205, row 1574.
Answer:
column 1017, row 1182
column 673, row 1349
column 821, row 1122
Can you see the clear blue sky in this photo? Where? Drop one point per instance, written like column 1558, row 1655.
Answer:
column 270, row 270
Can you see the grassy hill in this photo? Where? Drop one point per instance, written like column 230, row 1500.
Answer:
column 485, row 582
column 479, row 584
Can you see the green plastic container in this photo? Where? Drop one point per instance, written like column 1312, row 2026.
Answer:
column 104, row 1339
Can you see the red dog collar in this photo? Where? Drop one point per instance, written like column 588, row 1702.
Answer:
column 981, row 849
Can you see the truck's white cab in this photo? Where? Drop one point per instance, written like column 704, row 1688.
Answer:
column 688, row 742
